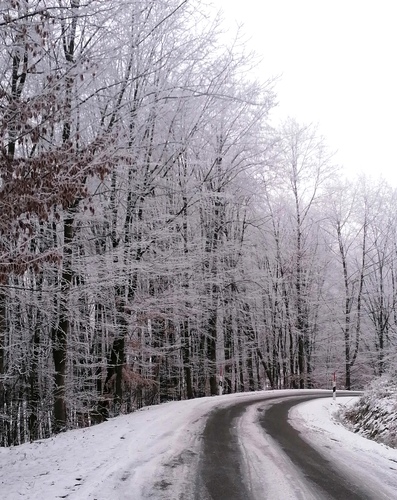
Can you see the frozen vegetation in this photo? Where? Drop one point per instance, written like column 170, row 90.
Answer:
column 374, row 415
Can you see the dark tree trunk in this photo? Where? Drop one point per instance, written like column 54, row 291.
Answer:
column 61, row 332
column 250, row 369
column 186, row 352
column 34, row 391
column 211, row 353
column 3, row 426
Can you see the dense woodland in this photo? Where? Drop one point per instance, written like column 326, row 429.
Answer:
column 158, row 236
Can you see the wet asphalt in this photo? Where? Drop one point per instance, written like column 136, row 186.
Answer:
column 220, row 471
column 315, row 468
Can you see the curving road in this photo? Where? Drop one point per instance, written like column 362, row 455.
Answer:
column 273, row 462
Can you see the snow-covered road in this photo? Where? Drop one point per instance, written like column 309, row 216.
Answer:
column 154, row 453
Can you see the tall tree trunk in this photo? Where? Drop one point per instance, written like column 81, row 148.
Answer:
column 34, row 387
column 211, row 351
column 61, row 332
column 3, row 426
column 186, row 341
column 186, row 353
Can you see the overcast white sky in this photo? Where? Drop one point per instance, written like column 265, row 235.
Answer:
column 338, row 65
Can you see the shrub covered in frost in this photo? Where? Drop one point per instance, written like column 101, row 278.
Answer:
column 375, row 414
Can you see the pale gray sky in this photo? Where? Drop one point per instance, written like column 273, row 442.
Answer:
column 338, row 65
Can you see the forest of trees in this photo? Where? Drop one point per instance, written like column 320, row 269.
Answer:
column 158, row 236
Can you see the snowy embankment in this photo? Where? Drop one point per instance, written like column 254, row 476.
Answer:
column 110, row 460
column 375, row 414
column 153, row 453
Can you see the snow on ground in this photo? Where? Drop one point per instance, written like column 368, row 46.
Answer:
column 145, row 454
column 153, row 452
column 374, row 463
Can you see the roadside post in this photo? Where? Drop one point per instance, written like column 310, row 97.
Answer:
column 334, row 387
